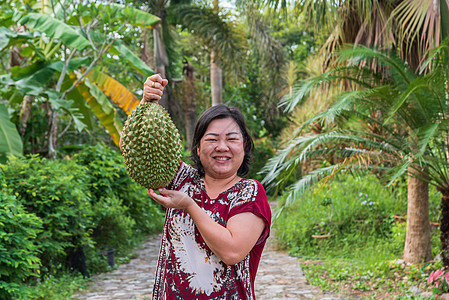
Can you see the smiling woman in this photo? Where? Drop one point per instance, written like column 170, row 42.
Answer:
column 216, row 222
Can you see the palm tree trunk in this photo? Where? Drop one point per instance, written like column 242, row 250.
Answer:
column 189, row 102
column 216, row 75
column 417, row 247
column 161, row 60
column 216, row 78
column 25, row 111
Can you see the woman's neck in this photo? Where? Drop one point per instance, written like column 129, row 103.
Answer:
column 216, row 186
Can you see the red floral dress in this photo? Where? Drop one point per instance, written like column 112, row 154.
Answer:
column 187, row 268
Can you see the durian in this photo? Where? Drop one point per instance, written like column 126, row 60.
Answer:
column 151, row 146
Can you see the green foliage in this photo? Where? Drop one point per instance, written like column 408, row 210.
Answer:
column 9, row 137
column 263, row 150
column 18, row 250
column 381, row 280
column 54, row 287
column 49, row 208
column 108, row 177
column 37, row 62
column 56, row 192
column 338, row 216
column 356, row 246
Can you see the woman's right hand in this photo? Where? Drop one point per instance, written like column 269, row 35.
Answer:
column 153, row 88
column 171, row 199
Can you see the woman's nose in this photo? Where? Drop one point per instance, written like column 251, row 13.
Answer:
column 222, row 145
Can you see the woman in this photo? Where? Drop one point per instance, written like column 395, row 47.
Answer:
column 216, row 222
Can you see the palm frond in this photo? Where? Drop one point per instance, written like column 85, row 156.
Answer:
column 218, row 34
column 307, row 181
column 356, row 55
column 305, row 87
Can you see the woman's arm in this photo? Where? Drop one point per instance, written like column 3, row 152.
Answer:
column 231, row 243
column 153, row 89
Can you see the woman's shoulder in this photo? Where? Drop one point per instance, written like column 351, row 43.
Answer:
column 247, row 182
column 249, row 195
column 248, row 190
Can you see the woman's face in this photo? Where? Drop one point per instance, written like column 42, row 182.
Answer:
column 221, row 149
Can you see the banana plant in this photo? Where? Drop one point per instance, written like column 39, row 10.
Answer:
column 63, row 52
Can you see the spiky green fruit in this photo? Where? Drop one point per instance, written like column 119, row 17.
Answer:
column 151, row 146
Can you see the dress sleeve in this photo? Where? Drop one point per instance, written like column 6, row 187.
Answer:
column 252, row 198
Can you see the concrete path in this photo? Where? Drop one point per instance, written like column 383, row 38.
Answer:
column 279, row 276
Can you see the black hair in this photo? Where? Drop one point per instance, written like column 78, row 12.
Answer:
column 216, row 112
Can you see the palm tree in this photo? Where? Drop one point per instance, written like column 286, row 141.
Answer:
column 412, row 27
column 395, row 125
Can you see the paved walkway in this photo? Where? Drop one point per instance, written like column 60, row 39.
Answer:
column 279, row 277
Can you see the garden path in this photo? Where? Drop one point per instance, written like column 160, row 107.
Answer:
column 279, row 277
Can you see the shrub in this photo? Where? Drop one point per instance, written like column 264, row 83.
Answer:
column 18, row 251
column 108, row 177
column 340, row 215
column 66, row 211
column 56, row 192
column 263, row 151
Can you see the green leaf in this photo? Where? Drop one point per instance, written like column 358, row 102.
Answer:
column 444, row 11
column 79, row 101
column 74, row 64
column 133, row 16
column 20, row 72
column 66, row 105
column 102, row 108
column 54, row 28
column 8, row 37
column 120, row 49
column 10, row 141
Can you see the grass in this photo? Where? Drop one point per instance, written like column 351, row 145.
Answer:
column 357, row 280
column 349, row 242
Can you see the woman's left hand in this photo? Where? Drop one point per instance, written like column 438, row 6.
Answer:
column 171, row 199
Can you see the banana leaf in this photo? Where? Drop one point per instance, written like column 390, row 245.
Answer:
column 114, row 89
column 9, row 37
column 53, row 28
column 131, row 15
column 102, row 108
column 59, row 104
column 79, row 101
column 119, row 48
column 10, row 141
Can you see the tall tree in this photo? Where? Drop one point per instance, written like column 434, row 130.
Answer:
column 216, row 74
column 409, row 115
column 410, row 26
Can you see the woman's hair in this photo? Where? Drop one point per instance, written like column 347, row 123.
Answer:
column 216, row 112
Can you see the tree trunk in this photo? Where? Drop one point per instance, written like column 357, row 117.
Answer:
column 161, row 60
column 417, row 247
column 145, row 53
column 52, row 133
column 189, row 102
column 215, row 80
column 444, row 227
column 25, row 111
